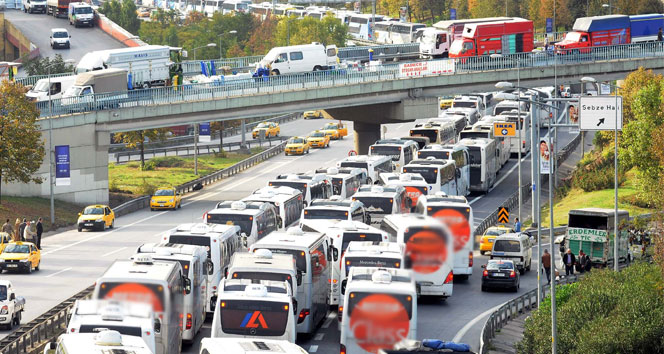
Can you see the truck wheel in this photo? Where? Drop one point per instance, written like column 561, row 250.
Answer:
column 317, row 68
column 275, row 72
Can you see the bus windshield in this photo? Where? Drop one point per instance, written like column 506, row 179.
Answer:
column 441, row 155
column 430, row 174
column 152, row 294
column 264, row 276
column 325, row 214
column 376, row 262
column 363, row 165
column 245, row 222
column 191, row 240
column 377, row 205
column 254, row 318
column 393, row 151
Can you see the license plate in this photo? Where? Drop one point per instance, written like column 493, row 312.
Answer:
column 12, row 265
column 498, row 274
column 90, row 224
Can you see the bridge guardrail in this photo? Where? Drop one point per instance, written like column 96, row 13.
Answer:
column 31, row 80
column 336, row 78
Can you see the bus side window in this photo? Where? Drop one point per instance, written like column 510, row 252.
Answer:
column 385, row 226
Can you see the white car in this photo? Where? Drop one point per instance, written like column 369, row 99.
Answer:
column 2, row 5
column 59, row 38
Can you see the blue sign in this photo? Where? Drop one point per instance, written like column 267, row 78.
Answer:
column 204, row 131
column 549, row 25
column 62, row 166
column 453, row 14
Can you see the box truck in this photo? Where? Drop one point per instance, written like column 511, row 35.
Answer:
column 503, row 37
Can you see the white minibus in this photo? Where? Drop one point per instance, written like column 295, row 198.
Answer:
column 255, row 219
column 383, row 200
column 516, row 247
column 312, row 186
column 440, row 174
column 401, row 151
column 287, row 200
column 459, row 121
column 374, row 165
column 414, row 184
column 483, row 165
column 457, row 153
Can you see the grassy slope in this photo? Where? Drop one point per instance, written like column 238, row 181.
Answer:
column 32, row 208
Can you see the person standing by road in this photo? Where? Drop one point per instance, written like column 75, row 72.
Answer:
column 40, row 231
column 660, row 37
column 517, row 225
column 28, row 234
column 546, row 264
column 7, row 227
column 17, row 225
column 21, row 230
column 569, row 260
column 581, row 268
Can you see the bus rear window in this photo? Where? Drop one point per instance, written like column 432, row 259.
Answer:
column 184, row 264
column 302, row 187
column 432, row 134
column 245, row 222
column 152, row 294
column 325, row 214
column 430, row 174
column 377, row 205
column 191, row 240
column 507, row 246
column 393, row 151
column 263, row 276
column 300, row 260
column 126, row 330
column 375, row 262
column 442, row 155
column 254, row 318
column 359, row 236
column 363, row 165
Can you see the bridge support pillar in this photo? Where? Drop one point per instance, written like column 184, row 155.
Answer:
column 365, row 135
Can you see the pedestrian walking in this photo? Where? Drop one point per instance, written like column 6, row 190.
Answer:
column 546, row 264
column 40, row 231
column 562, row 249
column 21, row 230
column 28, row 234
column 517, row 225
column 17, row 225
column 7, row 227
column 581, row 264
column 569, row 260
column 659, row 35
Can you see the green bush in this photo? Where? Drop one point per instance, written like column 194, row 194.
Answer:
column 171, row 161
column 146, row 188
column 596, row 172
column 606, row 312
column 149, row 165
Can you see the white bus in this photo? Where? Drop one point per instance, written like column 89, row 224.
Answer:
column 458, row 120
column 484, row 128
column 429, row 251
column 211, row 6
column 234, row 6
column 457, row 214
column 382, row 31
column 246, row 309
column 312, row 186
column 439, row 174
column 415, row 185
column 106, row 341
column 437, row 132
column 335, row 208
column 313, row 254
column 287, row 200
column 482, row 157
column 358, row 25
column 523, row 124
column 158, row 283
column 401, row 151
column 260, row 10
column 220, row 241
column 131, row 319
column 248, row 346
column 195, row 265
column 344, row 183
column 373, row 165
column 383, row 200
column 404, row 32
column 380, row 310
column 509, row 105
column 255, row 219
column 341, row 234
column 457, row 153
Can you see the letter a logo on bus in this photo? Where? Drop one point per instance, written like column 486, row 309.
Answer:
column 250, row 320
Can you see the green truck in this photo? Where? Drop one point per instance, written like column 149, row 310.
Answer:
column 592, row 230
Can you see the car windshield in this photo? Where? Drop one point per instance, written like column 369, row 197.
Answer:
column 60, row 35
column 13, row 248
column 263, row 125
column 495, row 232
column 573, row 36
column 496, row 265
column 41, row 86
column 317, row 135
column 296, row 141
column 83, row 10
column 164, row 192
column 93, row 211
column 330, row 126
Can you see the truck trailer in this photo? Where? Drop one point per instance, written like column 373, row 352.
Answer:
column 436, row 40
column 57, row 8
column 502, row 37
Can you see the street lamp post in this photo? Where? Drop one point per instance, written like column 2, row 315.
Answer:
column 209, row 45
column 610, row 7
column 50, row 139
column 221, row 37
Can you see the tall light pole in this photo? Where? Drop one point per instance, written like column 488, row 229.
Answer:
column 615, row 177
column 50, row 139
column 209, row 45
column 610, row 7
column 221, row 37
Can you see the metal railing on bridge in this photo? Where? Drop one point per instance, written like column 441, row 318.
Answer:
column 336, row 78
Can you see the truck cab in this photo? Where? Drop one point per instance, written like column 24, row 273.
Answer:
column 595, row 31
column 32, row 6
column 434, row 43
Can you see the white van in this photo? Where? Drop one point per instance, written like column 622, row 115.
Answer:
column 287, row 200
column 383, row 200
column 255, row 219
column 300, row 59
column 248, row 346
column 373, row 165
column 80, row 14
column 335, row 208
column 131, row 319
column 312, row 186
column 246, row 309
column 195, row 265
column 220, row 241
column 97, row 343
column 39, row 92
column 515, row 247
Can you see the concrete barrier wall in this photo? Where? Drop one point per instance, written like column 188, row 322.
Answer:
column 14, row 44
column 117, row 32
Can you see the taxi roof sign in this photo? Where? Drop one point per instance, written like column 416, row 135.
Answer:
column 505, row 129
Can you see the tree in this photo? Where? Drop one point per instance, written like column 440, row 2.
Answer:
column 295, row 31
column 138, row 138
column 21, row 145
column 263, row 38
column 112, row 9
column 39, row 66
column 129, row 18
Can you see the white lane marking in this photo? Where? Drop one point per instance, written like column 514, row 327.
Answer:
column 58, row 272
column 462, row 332
column 501, row 179
column 328, row 321
column 319, row 336
column 103, row 234
column 313, row 349
column 116, row 251
column 245, row 180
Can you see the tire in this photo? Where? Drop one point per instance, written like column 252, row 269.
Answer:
column 180, row 205
column 317, row 68
column 112, row 224
column 37, row 267
column 275, row 72
column 484, row 288
column 483, row 252
column 80, row 229
column 522, row 271
column 515, row 288
column 29, row 271
column 151, row 209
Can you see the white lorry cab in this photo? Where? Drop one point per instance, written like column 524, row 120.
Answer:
column 298, row 59
column 32, row 6
column 107, row 341
column 415, row 185
column 220, row 241
column 81, row 14
column 437, row 132
column 248, row 346
column 158, row 283
column 195, row 265
column 401, row 151
column 341, row 234
column 128, row 318
column 482, row 158
column 313, row 255
column 429, row 251
column 288, row 201
column 255, row 219
column 380, row 310
column 345, row 181
column 373, row 165
column 383, row 200
column 440, row 174
column 515, row 247
column 457, row 214
column 249, row 309
column 312, row 186
column 457, row 153
column 335, row 208
column 58, row 85
column 11, row 305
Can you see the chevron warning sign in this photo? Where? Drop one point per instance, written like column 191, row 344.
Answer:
column 503, row 215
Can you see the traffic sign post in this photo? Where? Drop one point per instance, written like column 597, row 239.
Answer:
column 503, row 215
column 504, row 129
column 600, row 113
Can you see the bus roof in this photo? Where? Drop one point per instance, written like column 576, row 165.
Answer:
column 293, row 238
column 131, row 270
column 377, row 191
column 201, row 229
column 176, row 250
column 404, row 221
column 480, row 142
column 250, row 346
column 273, row 194
column 388, row 279
column 103, row 342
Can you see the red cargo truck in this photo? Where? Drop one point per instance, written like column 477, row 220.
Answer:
column 503, row 37
column 57, row 8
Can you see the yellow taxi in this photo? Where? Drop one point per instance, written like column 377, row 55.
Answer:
column 486, row 242
column 445, row 103
column 318, row 139
column 337, row 130
column 313, row 114
column 266, row 130
column 166, row 198
column 96, row 217
column 20, row 257
column 297, row 146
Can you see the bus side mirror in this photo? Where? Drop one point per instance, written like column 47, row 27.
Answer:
column 210, row 267
column 298, row 278
column 187, row 285
column 294, row 306
column 335, row 253
column 50, row 348
column 157, row 325
column 329, row 253
column 343, row 286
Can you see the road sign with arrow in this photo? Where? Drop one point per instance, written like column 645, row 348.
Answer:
column 599, row 112
column 503, row 215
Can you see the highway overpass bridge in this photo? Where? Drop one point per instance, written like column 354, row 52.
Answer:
column 368, row 97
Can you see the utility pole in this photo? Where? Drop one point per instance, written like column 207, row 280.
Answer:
column 196, row 149
column 534, row 173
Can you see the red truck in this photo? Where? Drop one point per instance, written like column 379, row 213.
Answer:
column 57, row 8
column 504, row 37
